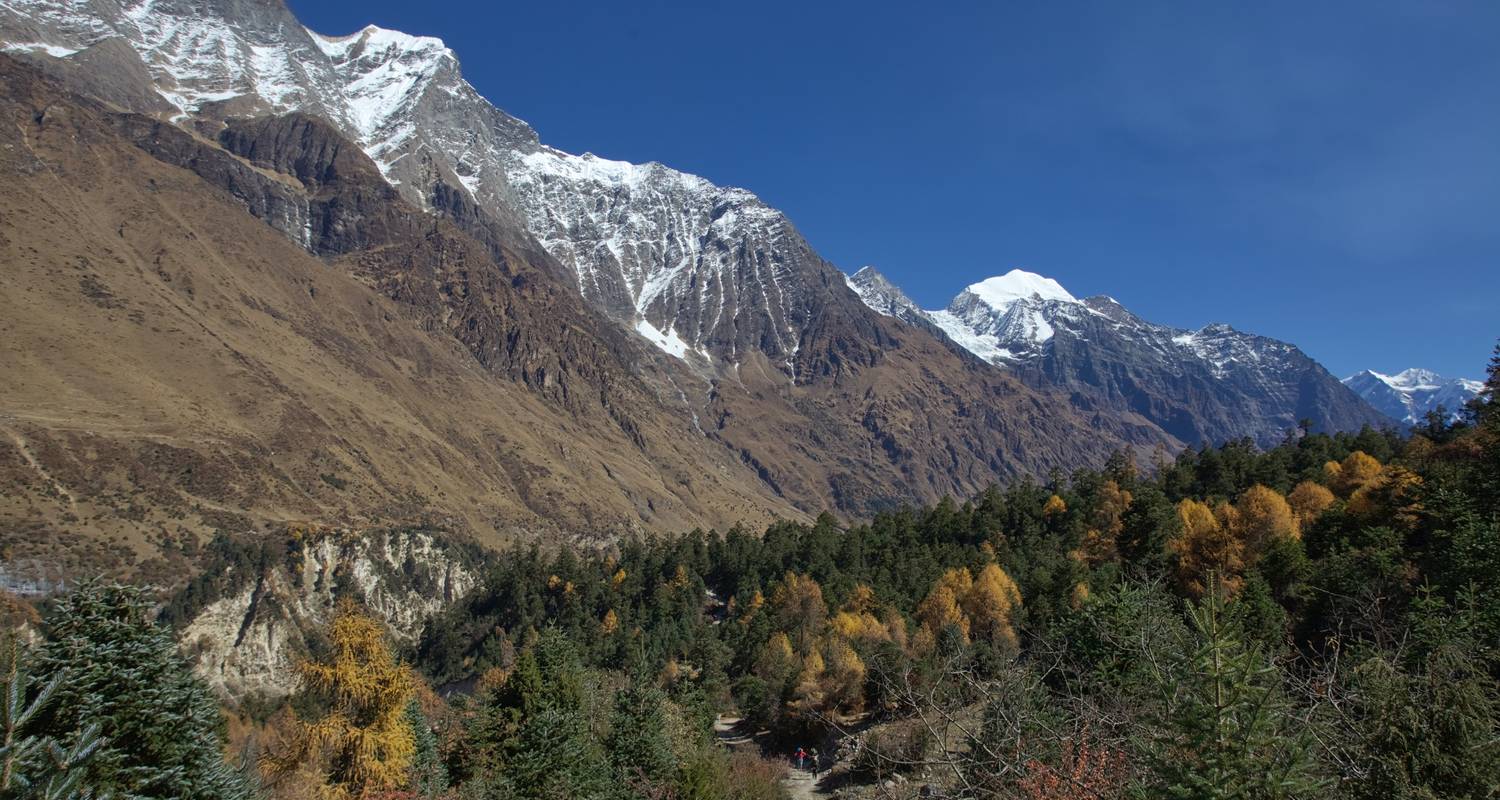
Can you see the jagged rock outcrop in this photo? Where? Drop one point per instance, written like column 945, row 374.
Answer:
column 248, row 641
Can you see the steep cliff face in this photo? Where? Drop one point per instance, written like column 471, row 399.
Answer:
column 1208, row 385
column 249, row 641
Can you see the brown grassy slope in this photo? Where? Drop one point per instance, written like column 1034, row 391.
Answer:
column 173, row 366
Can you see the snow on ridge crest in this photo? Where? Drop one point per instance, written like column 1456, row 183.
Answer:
column 1001, row 291
column 376, row 37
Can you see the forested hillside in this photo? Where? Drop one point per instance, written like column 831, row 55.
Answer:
column 1315, row 620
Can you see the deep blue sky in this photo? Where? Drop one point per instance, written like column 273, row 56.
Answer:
column 1326, row 173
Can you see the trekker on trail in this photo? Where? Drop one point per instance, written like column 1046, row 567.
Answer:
column 801, row 756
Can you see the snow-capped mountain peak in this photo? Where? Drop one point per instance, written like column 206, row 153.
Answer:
column 710, row 269
column 1001, row 291
column 382, row 70
column 881, row 295
column 1097, row 348
column 1410, row 394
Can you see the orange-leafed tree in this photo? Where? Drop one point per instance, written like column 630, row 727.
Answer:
column 1309, row 500
column 1085, row 771
column 1206, row 548
column 1263, row 517
column 991, row 604
column 363, row 744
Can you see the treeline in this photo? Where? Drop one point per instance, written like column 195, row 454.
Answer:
column 1320, row 619
column 1317, row 620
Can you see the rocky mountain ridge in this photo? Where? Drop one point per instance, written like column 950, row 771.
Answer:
column 1410, row 394
column 1205, row 385
column 694, row 268
column 709, row 275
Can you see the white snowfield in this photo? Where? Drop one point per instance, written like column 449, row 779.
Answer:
column 1001, row 291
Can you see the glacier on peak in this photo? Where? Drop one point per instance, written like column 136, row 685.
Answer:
column 1000, row 291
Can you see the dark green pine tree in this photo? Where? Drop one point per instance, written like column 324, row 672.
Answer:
column 162, row 728
column 639, row 749
column 554, row 757
column 33, row 765
column 1427, row 725
column 1224, row 728
column 429, row 773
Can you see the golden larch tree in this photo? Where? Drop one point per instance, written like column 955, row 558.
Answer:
column 1206, row 548
column 363, row 744
column 943, row 605
column 776, row 662
column 1099, row 541
column 798, row 606
column 991, row 604
column 1309, row 500
column 1354, row 472
column 1263, row 516
column 1394, row 497
column 861, row 600
column 843, row 677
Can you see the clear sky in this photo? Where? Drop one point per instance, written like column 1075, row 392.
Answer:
column 1326, row 173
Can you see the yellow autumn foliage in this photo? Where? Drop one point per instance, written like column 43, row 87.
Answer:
column 363, row 743
column 861, row 600
column 797, row 604
column 982, row 607
column 1395, row 497
column 1354, row 472
column 943, row 605
column 990, row 604
column 1309, row 500
column 776, row 660
column 843, row 678
column 1263, row 516
column 1205, row 548
column 1099, row 541
column 859, row 627
column 1079, row 596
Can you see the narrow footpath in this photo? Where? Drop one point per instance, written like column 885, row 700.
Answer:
column 800, row 784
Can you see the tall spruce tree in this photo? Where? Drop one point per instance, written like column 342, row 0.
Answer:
column 1224, row 729
column 639, row 749
column 162, row 728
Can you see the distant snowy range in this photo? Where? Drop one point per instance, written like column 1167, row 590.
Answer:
column 1409, row 395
